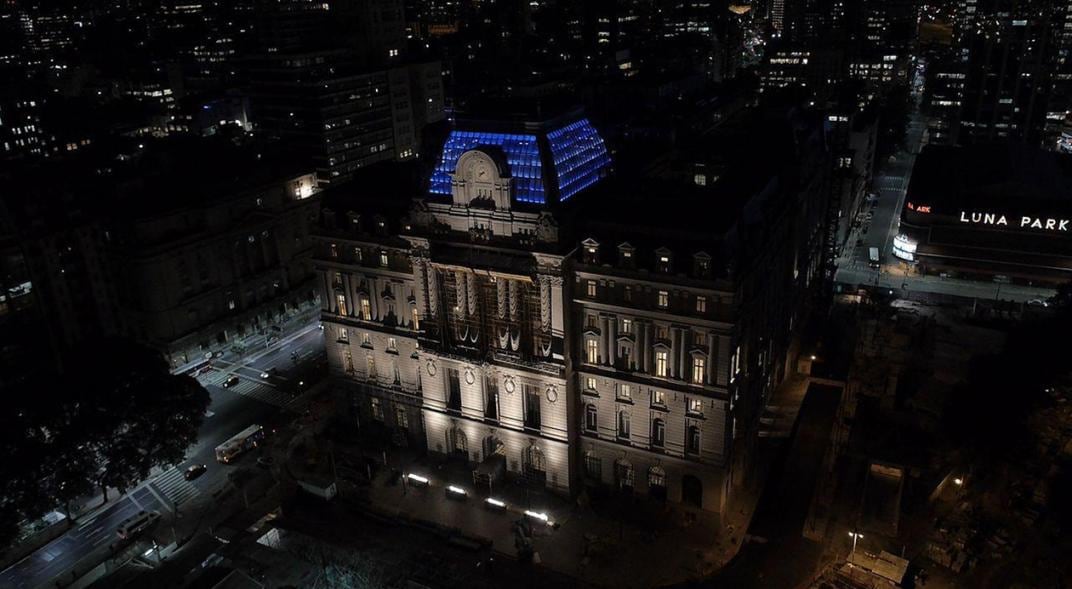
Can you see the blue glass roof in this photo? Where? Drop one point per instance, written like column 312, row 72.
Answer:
column 579, row 155
column 522, row 155
column 578, row 158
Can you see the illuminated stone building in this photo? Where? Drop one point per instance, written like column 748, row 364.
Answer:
column 528, row 309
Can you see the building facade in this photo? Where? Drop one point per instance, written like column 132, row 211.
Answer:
column 499, row 322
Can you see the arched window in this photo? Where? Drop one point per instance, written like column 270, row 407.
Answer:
column 658, row 432
column 591, row 418
column 692, row 440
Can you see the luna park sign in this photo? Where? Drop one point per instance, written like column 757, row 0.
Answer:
column 1021, row 221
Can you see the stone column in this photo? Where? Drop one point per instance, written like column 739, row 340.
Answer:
column 712, row 357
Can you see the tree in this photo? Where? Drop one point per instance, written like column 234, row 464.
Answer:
column 114, row 413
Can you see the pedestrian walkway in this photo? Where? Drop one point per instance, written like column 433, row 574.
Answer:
column 174, row 486
column 264, row 393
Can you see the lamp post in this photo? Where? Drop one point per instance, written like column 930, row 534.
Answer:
column 855, row 536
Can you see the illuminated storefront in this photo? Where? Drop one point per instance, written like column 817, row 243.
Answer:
column 992, row 213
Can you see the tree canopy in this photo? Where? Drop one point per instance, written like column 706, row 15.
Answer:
column 113, row 414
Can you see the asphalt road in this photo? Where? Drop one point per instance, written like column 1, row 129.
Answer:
column 777, row 554
column 890, row 186
column 232, row 409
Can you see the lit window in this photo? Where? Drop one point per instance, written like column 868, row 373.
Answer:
column 590, row 383
column 625, row 392
column 696, row 406
column 383, row 259
column 377, row 409
column 392, row 344
column 664, row 299
column 627, row 326
column 334, row 251
column 700, row 179
column 343, row 335
column 701, row 304
column 658, row 398
column 340, row 302
column 366, row 309
column 591, row 288
column 661, row 363
column 591, row 351
column 366, row 339
column 357, row 254
column 698, row 370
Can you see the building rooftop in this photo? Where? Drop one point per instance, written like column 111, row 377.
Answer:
column 551, row 159
column 978, row 177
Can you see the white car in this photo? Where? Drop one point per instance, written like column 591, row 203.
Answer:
column 1038, row 303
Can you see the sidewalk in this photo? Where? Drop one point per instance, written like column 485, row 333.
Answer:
column 613, row 542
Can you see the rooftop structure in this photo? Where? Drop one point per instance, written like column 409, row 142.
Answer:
column 549, row 162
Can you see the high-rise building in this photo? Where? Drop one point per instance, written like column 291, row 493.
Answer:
column 343, row 103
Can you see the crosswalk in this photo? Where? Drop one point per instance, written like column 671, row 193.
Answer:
column 174, row 486
column 263, row 393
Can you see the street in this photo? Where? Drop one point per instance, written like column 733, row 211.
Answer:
column 252, row 400
column 776, row 553
column 890, row 186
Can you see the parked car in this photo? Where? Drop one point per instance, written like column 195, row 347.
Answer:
column 230, row 382
column 1038, row 303
column 195, row 471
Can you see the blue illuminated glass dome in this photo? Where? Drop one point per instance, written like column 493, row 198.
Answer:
column 548, row 161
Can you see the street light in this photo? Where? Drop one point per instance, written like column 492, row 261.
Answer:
column 855, row 536
column 958, row 481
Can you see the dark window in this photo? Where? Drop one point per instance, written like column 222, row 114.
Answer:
column 454, row 391
column 532, row 407
column 593, row 467
column 658, row 433
column 591, row 418
column 491, row 400
column 692, row 442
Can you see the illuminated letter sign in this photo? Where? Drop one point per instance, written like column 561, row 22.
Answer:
column 1025, row 222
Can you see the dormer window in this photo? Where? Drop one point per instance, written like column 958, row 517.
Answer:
column 334, row 250
column 626, row 255
column 663, row 260
column 701, row 265
column 381, row 225
column 590, row 251
column 355, row 221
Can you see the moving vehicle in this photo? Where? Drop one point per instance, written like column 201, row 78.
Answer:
column 243, row 441
column 136, row 523
column 230, row 382
column 195, row 471
column 872, row 257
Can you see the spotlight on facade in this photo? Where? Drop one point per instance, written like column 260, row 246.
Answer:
column 417, row 479
column 496, row 503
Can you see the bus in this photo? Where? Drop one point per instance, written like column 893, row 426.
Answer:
column 246, row 439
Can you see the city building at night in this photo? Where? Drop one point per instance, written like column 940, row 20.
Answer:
column 530, row 311
column 997, row 213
